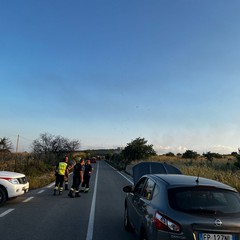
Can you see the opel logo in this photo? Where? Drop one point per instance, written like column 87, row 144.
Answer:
column 218, row 222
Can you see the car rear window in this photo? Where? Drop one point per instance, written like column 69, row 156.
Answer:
column 203, row 200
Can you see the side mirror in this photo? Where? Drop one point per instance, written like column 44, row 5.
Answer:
column 128, row 189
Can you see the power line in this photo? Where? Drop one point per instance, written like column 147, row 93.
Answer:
column 26, row 139
column 16, row 136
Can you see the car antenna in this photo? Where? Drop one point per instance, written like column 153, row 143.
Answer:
column 197, row 180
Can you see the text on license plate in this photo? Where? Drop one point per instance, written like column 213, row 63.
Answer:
column 211, row 236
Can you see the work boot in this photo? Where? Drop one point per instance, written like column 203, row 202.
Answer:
column 86, row 190
column 77, row 194
column 70, row 194
column 66, row 187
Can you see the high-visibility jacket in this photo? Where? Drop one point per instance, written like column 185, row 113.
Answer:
column 62, row 166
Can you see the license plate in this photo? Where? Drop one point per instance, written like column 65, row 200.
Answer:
column 213, row 236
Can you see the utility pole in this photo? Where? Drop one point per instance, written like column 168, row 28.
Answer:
column 16, row 154
column 17, row 143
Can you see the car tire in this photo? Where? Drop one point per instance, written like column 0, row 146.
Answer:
column 127, row 224
column 3, row 197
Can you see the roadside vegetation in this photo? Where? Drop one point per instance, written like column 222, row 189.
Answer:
column 39, row 165
column 223, row 168
column 47, row 150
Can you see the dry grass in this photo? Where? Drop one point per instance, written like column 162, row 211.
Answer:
column 41, row 181
column 221, row 169
column 38, row 174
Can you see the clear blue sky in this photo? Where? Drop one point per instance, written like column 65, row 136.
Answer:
column 106, row 72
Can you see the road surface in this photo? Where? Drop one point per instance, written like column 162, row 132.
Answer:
column 97, row 215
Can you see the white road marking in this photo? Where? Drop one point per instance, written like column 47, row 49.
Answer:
column 125, row 177
column 120, row 173
column 41, row 191
column 92, row 211
column 111, row 166
column 51, row 185
column 28, row 199
column 6, row 212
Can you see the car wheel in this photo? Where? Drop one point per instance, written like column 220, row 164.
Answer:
column 127, row 224
column 3, row 197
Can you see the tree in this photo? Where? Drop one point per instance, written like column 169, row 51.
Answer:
column 234, row 154
column 54, row 146
column 43, row 144
column 137, row 149
column 209, row 156
column 5, row 145
column 73, row 145
column 190, row 154
column 117, row 159
column 57, row 144
column 170, row 154
column 237, row 163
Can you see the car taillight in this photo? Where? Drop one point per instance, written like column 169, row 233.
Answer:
column 165, row 224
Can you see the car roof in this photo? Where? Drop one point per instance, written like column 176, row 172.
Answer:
column 180, row 180
column 143, row 168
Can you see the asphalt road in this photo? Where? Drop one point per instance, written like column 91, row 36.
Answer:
column 97, row 215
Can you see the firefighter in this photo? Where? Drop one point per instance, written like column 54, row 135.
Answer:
column 88, row 169
column 69, row 167
column 77, row 179
column 66, row 179
column 61, row 169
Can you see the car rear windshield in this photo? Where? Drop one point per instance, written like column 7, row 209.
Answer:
column 204, row 200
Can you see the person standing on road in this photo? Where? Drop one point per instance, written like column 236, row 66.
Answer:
column 88, row 169
column 61, row 169
column 78, row 170
column 69, row 167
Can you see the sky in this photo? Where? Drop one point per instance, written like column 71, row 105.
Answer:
column 106, row 72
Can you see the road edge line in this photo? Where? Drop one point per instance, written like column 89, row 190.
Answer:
column 92, row 211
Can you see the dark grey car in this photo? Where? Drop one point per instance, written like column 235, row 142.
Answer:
column 175, row 206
